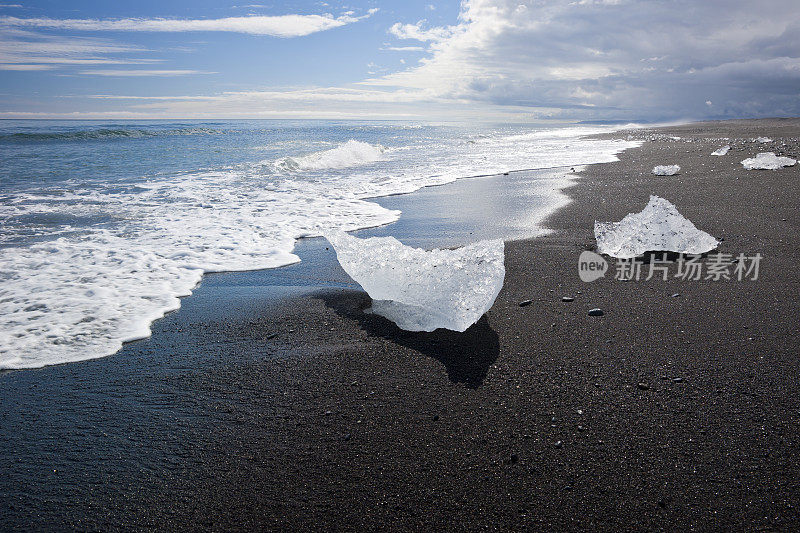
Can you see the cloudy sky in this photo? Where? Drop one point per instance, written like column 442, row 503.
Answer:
column 474, row 60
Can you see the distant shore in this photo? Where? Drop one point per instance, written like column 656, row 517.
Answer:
column 261, row 405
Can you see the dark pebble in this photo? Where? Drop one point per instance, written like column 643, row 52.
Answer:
column 643, row 386
column 676, row 295
column 558, row 444
column 435, row 418
column 596, row 312
column 567, row 299
column 525, row 303
column 272, row 336
column 514, row 458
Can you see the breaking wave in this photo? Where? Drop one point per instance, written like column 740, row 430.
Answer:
column 345, row 155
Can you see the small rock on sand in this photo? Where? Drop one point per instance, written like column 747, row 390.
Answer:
column 596, row 312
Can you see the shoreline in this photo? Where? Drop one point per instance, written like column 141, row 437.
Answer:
column 140, row 323
column 245, row 412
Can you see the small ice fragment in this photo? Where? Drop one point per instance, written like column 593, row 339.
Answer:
column 768, row 161
column 722, row 151
column 659, row 227
column 421, row 290
column 764, row 140
column 666, row 170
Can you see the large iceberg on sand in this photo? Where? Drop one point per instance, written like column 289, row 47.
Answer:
column 659, row 227
column 666, row 170
column 767, row 161
column 422, row 290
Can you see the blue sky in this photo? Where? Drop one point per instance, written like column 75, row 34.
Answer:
column 476, row 59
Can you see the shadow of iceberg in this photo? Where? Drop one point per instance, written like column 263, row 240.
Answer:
column 466, row 356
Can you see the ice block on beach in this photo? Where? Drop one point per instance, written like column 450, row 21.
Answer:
column 767, row 161
column 722, row 151
column 422, row 290
column 666, row 170
column 659, row 227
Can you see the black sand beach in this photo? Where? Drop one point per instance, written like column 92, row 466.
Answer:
column 272, row 401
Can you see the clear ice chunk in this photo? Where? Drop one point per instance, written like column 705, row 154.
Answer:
column 666, row 170
column 659, row 227
column 767, row 161
column 721, row 151
column 422, row 290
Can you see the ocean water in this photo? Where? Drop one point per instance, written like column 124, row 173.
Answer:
column 106, row 225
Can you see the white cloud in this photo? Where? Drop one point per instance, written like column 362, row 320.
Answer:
column 141, row 73
column 34, row 51
column 418, row 33
column 404, row 48
column 24, row 67
column 613, row 58
column 276, row 26
column 319, row 94
column 599, row 2
column 320, row 102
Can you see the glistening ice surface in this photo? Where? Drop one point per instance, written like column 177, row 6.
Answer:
column 422, row 290
column 767, row 161
column 722, row 151
column 666, row 170
column 659, row 227
column 105, row 225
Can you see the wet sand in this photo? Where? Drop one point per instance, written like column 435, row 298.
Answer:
column 277, row 406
